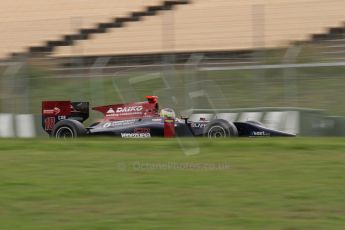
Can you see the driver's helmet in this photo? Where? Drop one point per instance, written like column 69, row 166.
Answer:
column 167, row 112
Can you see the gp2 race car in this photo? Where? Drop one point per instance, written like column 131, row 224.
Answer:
column 64, row 119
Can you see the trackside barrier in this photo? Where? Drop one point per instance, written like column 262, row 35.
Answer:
column 25, row 125
column 6, row 125
column 17, row 125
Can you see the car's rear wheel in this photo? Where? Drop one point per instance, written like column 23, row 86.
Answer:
column 68, row 129
column 220, row 128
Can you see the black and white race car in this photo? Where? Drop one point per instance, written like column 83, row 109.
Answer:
column 62, row 119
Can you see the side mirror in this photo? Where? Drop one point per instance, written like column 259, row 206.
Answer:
column 185, row 118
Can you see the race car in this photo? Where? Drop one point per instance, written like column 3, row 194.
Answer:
column 64, row 119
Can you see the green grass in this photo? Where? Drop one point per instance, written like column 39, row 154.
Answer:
column 293, row 183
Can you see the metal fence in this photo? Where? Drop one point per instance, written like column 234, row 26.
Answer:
column 196, row 85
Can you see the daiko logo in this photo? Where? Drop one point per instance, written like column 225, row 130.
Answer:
column 125, row 111
column 54, row 111
column 129, row 109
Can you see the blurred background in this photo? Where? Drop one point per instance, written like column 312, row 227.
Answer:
column 281, row 62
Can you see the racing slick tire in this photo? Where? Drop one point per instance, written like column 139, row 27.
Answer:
column 220, row 128
column 68, row 129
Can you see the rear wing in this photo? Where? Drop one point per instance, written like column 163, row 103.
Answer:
column 54, row 111
column 149, row 108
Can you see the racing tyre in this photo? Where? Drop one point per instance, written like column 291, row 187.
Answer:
column 68, row 129
column 220, row 128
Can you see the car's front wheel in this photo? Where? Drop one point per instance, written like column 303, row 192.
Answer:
column 220, row 128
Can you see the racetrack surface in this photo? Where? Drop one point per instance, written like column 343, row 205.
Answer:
column 240, row 183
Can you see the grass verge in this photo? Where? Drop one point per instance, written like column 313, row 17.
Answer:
column 273, row 183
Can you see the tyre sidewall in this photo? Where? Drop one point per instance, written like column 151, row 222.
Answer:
column 76, row 127
column 229, row 128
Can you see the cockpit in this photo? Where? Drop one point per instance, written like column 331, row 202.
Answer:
column 167, row 112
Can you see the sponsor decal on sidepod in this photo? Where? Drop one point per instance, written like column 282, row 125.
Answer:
column 116, row 123
column 135, row 135
column 138, row 133
column 198, row 125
